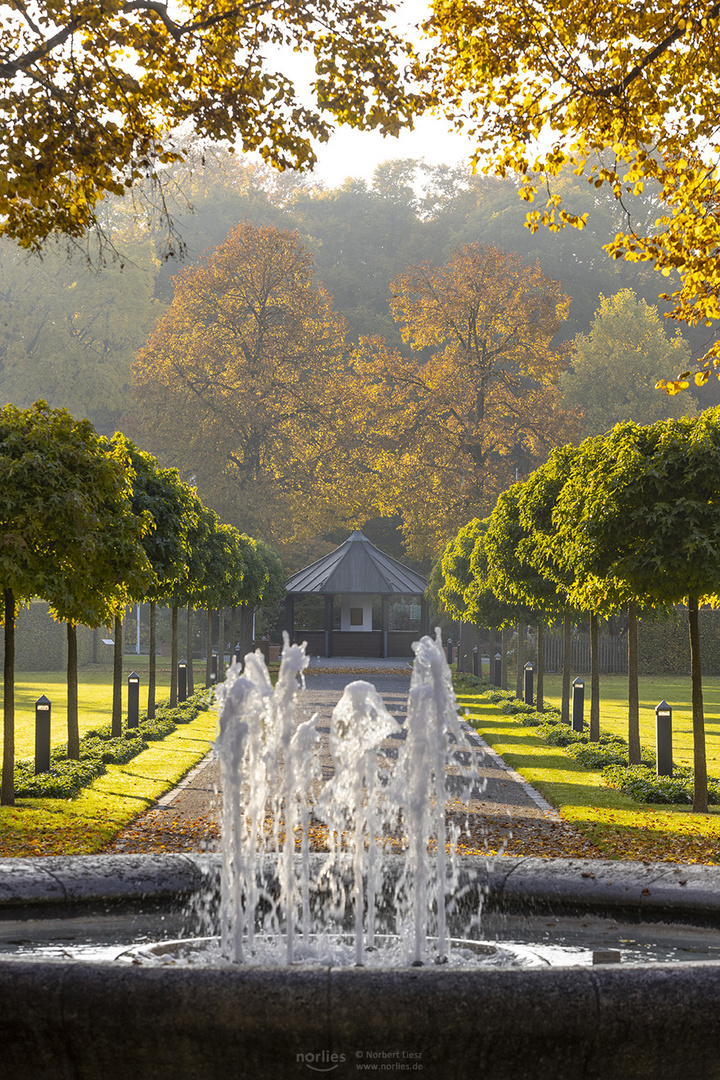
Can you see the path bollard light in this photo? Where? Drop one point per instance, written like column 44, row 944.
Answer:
column 578, row 704
column 213, row 669
column 238, row 653
column 663, row 739
column 182, row 681
column 42, row 735
column 133, row 699
column 528, row 685
column 450, row 650
column 497, row 671
column 476, row 662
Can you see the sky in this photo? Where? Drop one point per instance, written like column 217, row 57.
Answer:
column 358, row 153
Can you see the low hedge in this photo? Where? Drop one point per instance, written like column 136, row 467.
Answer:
column 98, row 748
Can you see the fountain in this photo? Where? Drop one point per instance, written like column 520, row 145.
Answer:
column 348, row 960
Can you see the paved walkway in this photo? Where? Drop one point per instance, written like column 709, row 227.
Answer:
column 504, row 813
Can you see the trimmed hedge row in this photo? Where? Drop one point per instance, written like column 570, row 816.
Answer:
column 98, row 749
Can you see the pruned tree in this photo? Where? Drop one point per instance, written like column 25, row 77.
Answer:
column 61, row 496
column 170, row 503
column 639, row 517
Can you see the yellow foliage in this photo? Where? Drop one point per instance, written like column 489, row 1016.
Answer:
column 629, row 94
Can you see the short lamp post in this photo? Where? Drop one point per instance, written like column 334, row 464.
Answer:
column 133, row 699
column 213, row 669
column 450, row 650
column 578, row 704
column 528, row 684
column 497, row 670
column 476, row 662
column 182, row 681
column 42, row 735
column 663, row 739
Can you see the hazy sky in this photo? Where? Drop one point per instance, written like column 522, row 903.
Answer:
column 357, row 154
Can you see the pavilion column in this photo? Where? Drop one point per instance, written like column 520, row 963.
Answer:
column 385, row 600
column 290, row 616
column 329, row 599
column 424, row 617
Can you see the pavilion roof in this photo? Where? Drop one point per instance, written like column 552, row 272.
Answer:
column 357, row 567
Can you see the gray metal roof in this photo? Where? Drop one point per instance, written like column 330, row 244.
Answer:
column 357, row 566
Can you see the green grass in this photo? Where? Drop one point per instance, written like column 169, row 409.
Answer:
column 94, row 697
column 652, row 690
column 620, row 827
column 87, row 823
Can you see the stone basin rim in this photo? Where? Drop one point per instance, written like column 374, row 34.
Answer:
column 643, row 889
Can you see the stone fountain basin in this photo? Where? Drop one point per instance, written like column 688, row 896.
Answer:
column 112, row 1020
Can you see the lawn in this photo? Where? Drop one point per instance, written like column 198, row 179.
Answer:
column 94, row 697
column 620, row 827
column 652, row 690
column 87, row 823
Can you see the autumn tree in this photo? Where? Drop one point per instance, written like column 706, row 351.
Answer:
column 625, row 94
column 615, row 368
column 98, row 98
column 479, row 406
column 240, row 383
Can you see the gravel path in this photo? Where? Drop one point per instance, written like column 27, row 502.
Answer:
column 503, row 815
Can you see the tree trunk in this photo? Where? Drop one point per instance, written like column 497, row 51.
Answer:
column 594, row 680
column 633, row 694
column 520, row 661
column 189, row 650
column 73, row 732
column 700, row 791
column 173, row 656
column 245, row 636
column 221, row 645
column 567, row 668
column 7, row 792
column 503, row 662
column 152, row 662
column 208, row 648
column 117, row 678
column 539, row 693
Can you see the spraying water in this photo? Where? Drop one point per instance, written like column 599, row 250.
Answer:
column 272, row 906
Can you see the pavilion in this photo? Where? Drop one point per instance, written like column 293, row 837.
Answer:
column 374, row 606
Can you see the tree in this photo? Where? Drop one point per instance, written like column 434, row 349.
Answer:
column 639, row 516
column 529, row 522
column 95, row 584
column 241, row 382
column 96, row 99
column 264, row 585
column 58, row 482
column 480, row 406
column 615, row 368
column 626, row 94
column 507, row 565
column 161, row 494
